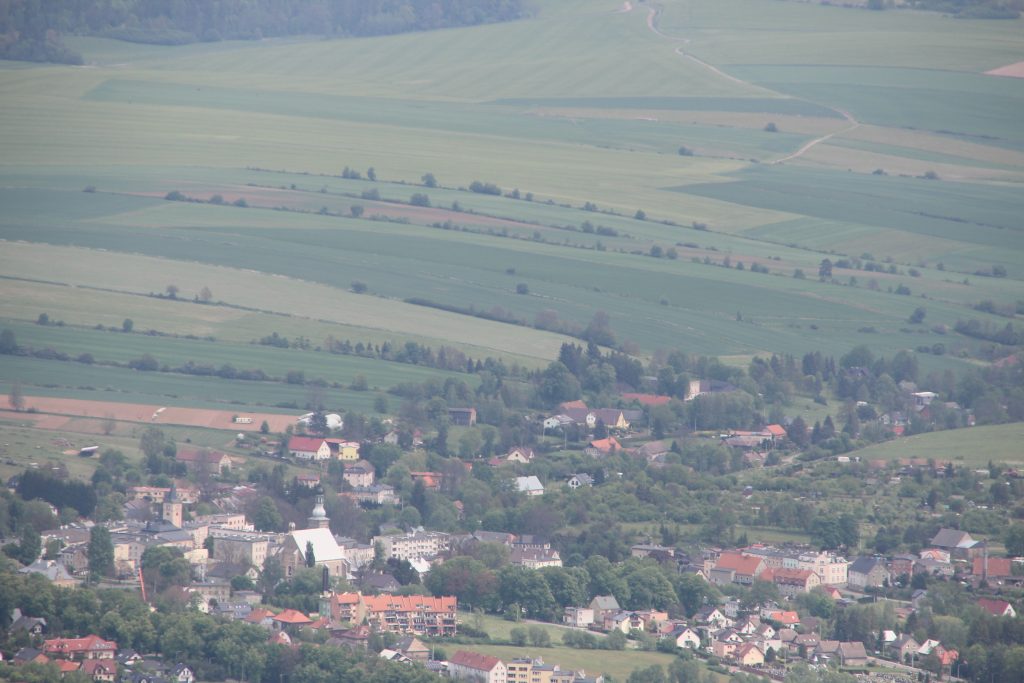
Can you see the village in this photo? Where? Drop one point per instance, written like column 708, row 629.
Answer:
column 754, row 606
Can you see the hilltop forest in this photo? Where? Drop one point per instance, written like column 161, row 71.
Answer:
column 30, row 29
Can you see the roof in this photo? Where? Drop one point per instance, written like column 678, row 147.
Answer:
column 605, row 445
column 90, row 643
column 953, row 538
column 787, row 617
column 739, row 563
column 997, row 566
column 994, row 607
column 199, row 455
column 865, row 565
column 647, row 399
column 291, row 616
column 852, row 650
column 604, row 602
column 529, row 484
column 305, row 443
column 474, row 660
column 410, row 603
column 325, row 548
column 776, row 430
column 792, row 576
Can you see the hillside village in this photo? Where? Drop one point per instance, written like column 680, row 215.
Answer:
column 401, row 562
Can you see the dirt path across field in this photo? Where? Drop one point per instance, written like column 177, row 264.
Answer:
column 652, row 15
column 854, row 123
column 63, row 413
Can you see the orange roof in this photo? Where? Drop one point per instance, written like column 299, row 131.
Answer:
column 947, row 657
column 429, row 479
column 792, row 576
column 606, row 445
column 258, row 615
column 786, row 618
column 573, row 405
column 66, row 666
column 474, row 660
column 994, row 607
column 91, row 666
column 346, row 598
column 291, row 616
column 90, row 643
column 647, row 399
column 739, row 563
column 997, row 566
column 775, row 430
column 410, row 603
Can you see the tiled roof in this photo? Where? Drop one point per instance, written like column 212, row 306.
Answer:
column 474, row 660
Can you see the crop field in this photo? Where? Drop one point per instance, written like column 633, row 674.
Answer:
column 673, row 122
column 975, row 446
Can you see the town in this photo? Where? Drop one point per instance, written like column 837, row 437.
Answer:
column 418, row 565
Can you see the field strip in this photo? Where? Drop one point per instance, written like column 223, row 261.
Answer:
column 266, row 292
column 151, row 414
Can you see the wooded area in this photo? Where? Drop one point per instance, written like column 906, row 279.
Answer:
column 30, row 30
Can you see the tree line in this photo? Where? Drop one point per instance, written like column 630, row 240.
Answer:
column 32, row 28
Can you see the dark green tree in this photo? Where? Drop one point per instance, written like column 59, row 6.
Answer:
column 101, row 553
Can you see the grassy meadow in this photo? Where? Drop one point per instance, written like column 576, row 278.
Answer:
column 975, row 446
column 582, row 107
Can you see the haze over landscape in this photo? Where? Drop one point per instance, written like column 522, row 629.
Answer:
column 684, row 303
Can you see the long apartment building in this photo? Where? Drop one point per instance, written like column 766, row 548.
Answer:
column 414, row 545
column 406, row 614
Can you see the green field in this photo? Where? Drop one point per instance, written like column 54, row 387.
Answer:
column 540, row 105
column 975, row 446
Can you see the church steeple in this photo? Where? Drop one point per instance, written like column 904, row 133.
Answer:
column 172, row 507
column 318, row 519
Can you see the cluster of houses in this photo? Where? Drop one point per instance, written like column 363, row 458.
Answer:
column 95, row 657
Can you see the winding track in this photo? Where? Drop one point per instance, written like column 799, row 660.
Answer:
column 652, row 14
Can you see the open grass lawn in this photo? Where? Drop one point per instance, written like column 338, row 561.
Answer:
column 541, row 105
column 972, row 446
column 619, row 664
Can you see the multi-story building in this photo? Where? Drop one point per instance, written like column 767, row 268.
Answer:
column 471, row 666
column 416, row 614
column 414, row 545
column 239, row 547
column 831, row 569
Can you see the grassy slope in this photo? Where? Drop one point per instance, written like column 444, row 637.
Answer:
column 974, row 446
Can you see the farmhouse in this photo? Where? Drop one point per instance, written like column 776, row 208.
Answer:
column 204, row 458
column 959, row 543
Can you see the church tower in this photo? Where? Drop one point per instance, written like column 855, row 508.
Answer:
column 172, row 507
column 318, row 520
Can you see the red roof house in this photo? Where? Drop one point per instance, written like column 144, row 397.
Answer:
column 89, row 647
column 997, row 608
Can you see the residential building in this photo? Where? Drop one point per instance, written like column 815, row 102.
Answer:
column 80, row 649
column 521, row 455
column 375, row 494
column 416, row 614
column 413, row 648
column 793, row 582
column 529, row 486
column 470, row 666
column 997, row 608
column 868, row 572
column 415, row 544
column 241, row 548
column 959, row 543
column 578, row 617
column 359, row 474
column 535, row 558
column 604, row 605
column 579, row 480
column 200, row 459
column 734, row 567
